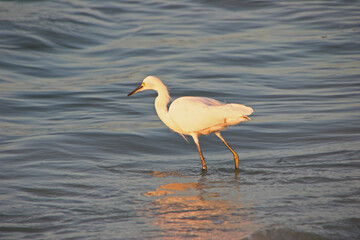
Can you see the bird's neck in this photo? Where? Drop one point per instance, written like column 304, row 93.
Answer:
column 161, row 107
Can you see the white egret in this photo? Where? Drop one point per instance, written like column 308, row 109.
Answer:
column 195, row 116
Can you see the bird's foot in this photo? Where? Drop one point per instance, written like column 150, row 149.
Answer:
column 236, row 160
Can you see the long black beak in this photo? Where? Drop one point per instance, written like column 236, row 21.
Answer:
column 135, row 90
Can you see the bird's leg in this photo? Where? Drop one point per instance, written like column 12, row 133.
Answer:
column 236, row 157
column 201, row 157
column 196, row 140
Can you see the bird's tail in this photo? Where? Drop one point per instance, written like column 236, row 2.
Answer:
column 236, row 113
column 246, row 118
column 233, row 121
column 239, row 109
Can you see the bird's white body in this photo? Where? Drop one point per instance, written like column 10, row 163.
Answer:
column 195, row 116
column 205, row 115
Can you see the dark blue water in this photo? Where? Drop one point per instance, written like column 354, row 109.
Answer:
column 80, row 160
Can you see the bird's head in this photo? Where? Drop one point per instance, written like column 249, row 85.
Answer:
column 149, row 83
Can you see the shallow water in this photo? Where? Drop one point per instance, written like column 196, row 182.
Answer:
column 80, row 160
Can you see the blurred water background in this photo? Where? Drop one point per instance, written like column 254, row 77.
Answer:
column 80, row 160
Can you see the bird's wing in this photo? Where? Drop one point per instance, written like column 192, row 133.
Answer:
column 193, row 114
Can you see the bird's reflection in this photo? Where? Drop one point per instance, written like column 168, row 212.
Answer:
column 197, row 210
